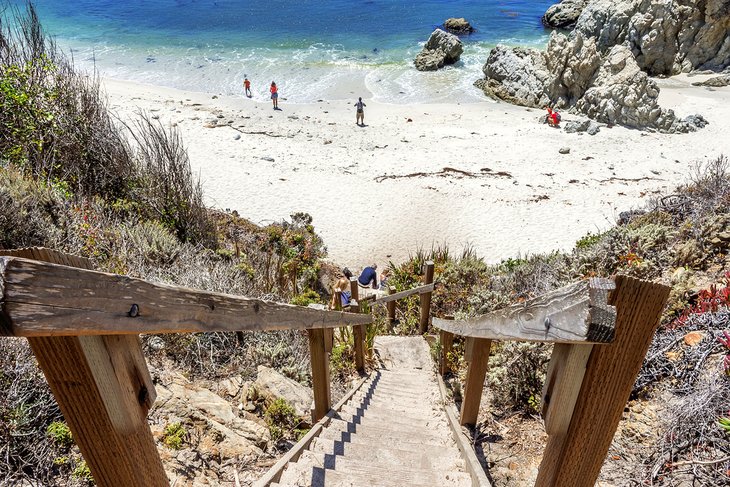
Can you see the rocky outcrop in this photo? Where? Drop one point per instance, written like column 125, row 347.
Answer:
column 715, row 81
column 441, row 48
column 665, row 36
column 272, row 385
column 564, row 14
column 572, row 73
column 458, row 26
column 213, row 432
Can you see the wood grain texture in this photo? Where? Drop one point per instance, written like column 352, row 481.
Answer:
column 44, row 299
column 104, row 390
column 391, row 309
column 477, row 354
column 426, row 288
column 358, row 336
column 574, row 459
column 562, row 385
column 425, row 298
column 320, row 374
column 566, row 315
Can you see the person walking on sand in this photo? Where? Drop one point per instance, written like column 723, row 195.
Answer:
column 274, row 95
column 247, row 85
column 360, row 115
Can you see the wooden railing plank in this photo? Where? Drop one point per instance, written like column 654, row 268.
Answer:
column 562, row 385
column 426, row 288
column 477, row 355
column 391, row 309
column 425, row 298
column 447, row 346
column 104, row 390
column 574, row 458
column 572, row 314
column 44, row 299
column 319, row 358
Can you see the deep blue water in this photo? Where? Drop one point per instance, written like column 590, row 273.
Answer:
column 313, row 48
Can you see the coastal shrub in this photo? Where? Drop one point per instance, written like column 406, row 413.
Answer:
column 27, row 411
column 306, row 298
column 283, row 421
column 82, row 472
column 55, row 126
column 516, row 375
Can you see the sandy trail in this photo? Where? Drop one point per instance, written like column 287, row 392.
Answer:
column 485, row 174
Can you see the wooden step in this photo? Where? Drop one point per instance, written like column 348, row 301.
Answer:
column 382, row 415
column 414, row 455
column 320, row 469
column 387, row 433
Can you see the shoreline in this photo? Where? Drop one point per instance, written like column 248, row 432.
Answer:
column 485, row 174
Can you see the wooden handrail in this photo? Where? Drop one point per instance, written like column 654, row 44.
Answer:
column 577, row 313
column 45, row 299
column 427, row 288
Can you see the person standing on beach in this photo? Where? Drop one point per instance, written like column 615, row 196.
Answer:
column 274, row 95
column 247, row 85
column 360, row 115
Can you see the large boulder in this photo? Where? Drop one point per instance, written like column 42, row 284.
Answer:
column 665, row 36
column 441, row 48
column 272, row 385
column 564, row 14
column 516, row 75
column 458, row 26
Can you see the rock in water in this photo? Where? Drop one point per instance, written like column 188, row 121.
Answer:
column 458, row 26
column 442, row 48
column 564, row 14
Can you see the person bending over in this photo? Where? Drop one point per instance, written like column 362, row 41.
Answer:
column 369, row 277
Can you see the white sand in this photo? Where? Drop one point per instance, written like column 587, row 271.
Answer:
column 314, row 158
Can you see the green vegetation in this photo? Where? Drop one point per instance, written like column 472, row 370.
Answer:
column 306, row 298
column 283, row 421
column 174, row 435
column 83, row 473
column 60, row 434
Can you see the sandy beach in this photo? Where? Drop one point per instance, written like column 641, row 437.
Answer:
column 483, row 174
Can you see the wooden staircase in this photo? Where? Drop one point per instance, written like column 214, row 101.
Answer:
column 392, row 432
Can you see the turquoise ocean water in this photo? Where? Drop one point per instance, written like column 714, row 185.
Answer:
column 313, row 49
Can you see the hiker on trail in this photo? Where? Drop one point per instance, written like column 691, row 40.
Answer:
column 343, row 287
column 274, row 95
column 360, row 115
column 247, row 85
column 369, row 277
column 553, row 117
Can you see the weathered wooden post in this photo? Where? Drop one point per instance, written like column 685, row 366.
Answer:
column 425, row 298
column 391, row 309
column 577, row 446
column 358, row 331
column 319, row 358
column 104, row 390
column 447, row 347
column 477, row 354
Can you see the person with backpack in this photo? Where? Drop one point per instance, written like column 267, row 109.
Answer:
column 360, row 115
